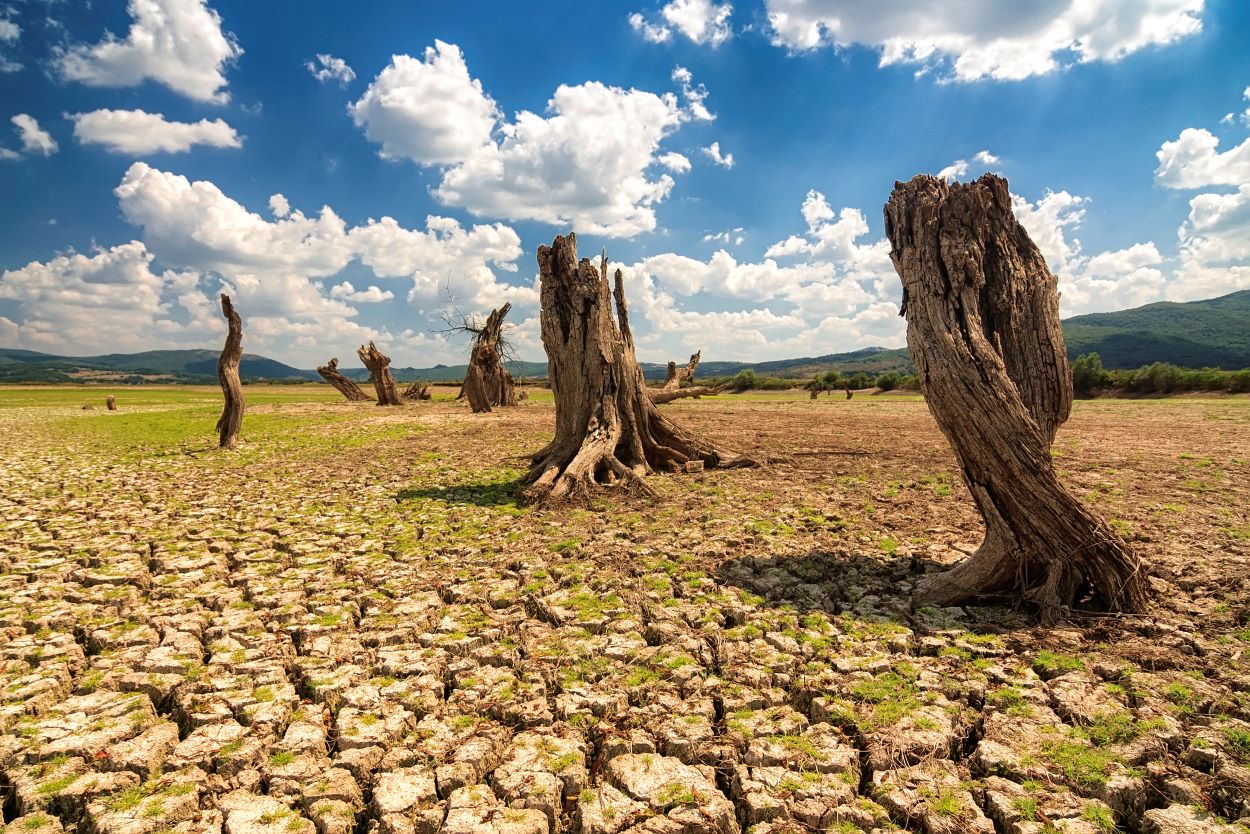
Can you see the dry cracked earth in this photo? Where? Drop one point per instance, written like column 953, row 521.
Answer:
column 350, row 626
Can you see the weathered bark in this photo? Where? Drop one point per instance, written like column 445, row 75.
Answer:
column 345, row 386
column 379, row 366
column 416, row 391
column 608, row 431
column 111, row 402
column 231, row 419
column 679, row 375
column 983, row 328
column 487, row 382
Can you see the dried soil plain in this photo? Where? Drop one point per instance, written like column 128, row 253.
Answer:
column 349, row 625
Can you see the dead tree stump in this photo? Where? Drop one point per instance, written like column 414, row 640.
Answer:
column 487, row 382
column 347, row 387
column 416, row 391
column 111, row 402
column 231, row 419
column 983, row 328
column 679, row 375
column 379, row 366
column 608, row 431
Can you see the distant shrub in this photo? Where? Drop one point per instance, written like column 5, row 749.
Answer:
column 888, row 381
column 1088, row 376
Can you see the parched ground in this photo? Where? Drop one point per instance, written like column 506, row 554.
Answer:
column 349, row 626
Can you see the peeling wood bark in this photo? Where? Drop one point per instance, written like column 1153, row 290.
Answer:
column 983, row 328
column 487, row 383
column 345, row 386
column 608, row 431
column 231, row 419
column 379, row 366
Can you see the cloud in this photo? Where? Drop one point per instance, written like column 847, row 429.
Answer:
column 276, row 267
column 329, row 68
column 178, row 43
column 959, row 168
column 372, row 295
column 139, row 132
column 713, row 153
column 10, row 33
column 1193, row 161
column 108, row 301
column 694, row 95
column 429, row 111
column 702, row 21
column 34, row 139
column 586, row 163
column 980, row 40
column 675, row 162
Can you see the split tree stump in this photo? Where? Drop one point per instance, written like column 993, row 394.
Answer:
column 231, row 419
column 983, row 328
column 379, row 365
column 608, row 430
column 345, row 386
column 487, row 383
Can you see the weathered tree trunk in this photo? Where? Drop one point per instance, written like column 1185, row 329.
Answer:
column 487, row 382
column 231, row 419
column 379, row 366
column 815, row 393
column 345, row 386
column 849, row 393
column 607, row 429
column 416, row 391
column 983, row 328
column 111, row 402
column 679, row 375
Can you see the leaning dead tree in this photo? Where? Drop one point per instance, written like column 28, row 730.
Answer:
column 345, row 386
column 231, row 419
column 379, row 366
column 416, row 391
column 608, row 431
column 487, row 382
column 679, row 375
column 983, row 328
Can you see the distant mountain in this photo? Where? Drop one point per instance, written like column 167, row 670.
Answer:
column 154, row 365
column 1196, row 334
column 1212, row 333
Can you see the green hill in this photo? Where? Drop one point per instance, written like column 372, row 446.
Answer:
column 1195, row 334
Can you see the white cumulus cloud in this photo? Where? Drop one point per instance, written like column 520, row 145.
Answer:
column 986, row 38
column 370, row 295
column 702, row 21
column 584, row 163
column 139, row 132
column 178, row 43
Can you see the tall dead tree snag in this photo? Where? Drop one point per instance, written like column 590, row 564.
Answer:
column 379, row 366
column 231, row 419
column 983, row 328
column 608, row 431
column 487, row 382
column 347, row 387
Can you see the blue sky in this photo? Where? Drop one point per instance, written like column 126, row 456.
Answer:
column 342, row 173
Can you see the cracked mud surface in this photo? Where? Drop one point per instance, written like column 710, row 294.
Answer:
column 350, row 626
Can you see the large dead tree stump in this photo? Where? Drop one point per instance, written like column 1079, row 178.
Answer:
column 111, row 402
column 231, row 419
column 608, row 430
column 487, row 383
column 983, row 328
column 379, row 366
column 345, row 386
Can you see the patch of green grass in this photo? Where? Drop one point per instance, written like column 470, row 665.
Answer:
column 1080, row 762
column 947, row 804
column 1100, row 816
column 1047, row 662
column 281, row 758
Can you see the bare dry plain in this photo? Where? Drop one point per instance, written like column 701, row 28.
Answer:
column 350, row 625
